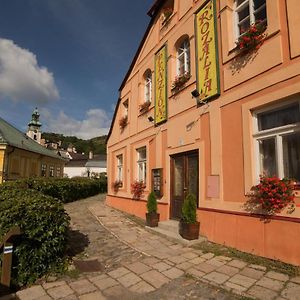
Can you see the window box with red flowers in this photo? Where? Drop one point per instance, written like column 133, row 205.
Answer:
column 253, row 38
column 180, row 81
column 123, row 122
column 166, row 14
column 137, row 189
column 117, row 184
column 273, row 195
column 145, row 106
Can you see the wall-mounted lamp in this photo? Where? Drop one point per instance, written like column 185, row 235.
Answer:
column 150, row 119
column 197, row 95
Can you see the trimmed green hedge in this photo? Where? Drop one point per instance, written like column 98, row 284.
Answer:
column 44, row 224
column 66, row 189
column 36, row 206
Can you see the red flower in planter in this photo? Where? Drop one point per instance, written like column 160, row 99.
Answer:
column 274, row 194
column 137, row 189
column 180, row 80
column 144, row 106
column 253, row 37
column 116, row 185
column 167, row 13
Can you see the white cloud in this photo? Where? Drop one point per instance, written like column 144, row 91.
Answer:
column 96, row 123
column 21, row 78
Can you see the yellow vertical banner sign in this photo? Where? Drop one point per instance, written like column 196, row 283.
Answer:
column 161, row 97
column 208, row 82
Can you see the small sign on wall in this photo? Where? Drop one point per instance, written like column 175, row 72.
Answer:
column 213, row 186
column 157, row 180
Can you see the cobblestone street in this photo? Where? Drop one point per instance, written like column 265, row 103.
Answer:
column 138, row 264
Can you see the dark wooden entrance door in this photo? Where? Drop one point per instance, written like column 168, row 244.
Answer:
column 184, row 180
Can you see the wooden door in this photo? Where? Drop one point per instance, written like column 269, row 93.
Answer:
column 184, row 180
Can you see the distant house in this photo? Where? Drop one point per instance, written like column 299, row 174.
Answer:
column 84, row 165
column 76, row 165
column 22, row 157
column 64, row 154
column 96, row 165
column 51, row 145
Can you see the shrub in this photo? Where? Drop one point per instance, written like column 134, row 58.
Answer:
column 44, row 224
column 34, row 205
column 66, row 189
column 189, row 208
column 152, row 203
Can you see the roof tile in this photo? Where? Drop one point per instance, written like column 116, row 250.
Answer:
column 12, row 136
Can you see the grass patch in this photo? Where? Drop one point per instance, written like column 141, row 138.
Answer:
column 73, row 273
column 234, row 296
column 65, row 269
column 270, row 264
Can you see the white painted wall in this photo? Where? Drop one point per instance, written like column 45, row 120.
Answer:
column 81, row 171
column 74, row 171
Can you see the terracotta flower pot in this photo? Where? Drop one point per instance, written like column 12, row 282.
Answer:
column 152, row 219
column 189, row 231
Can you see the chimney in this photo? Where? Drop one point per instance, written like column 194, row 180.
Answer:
column 91, row 155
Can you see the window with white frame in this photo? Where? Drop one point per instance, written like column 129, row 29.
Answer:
column 183, row 58
column 43, row 170
column 51, row 171
column 277, row 141
column 58, row 172
column 120, row 168
column 248, row 12
column 148, row 86
column 141, row 164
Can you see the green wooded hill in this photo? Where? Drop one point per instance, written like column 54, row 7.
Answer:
column 96, row 144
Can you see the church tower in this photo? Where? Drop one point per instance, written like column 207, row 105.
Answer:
column 34, row 127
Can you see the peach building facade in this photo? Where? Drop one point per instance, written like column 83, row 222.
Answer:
column 195, row 114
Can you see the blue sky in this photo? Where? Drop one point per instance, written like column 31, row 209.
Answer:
column 68, row 58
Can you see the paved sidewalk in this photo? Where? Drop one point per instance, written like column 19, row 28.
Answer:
column 138, row 264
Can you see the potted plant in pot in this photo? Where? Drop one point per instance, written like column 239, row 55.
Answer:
column 152, row 217
column 188, row 225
